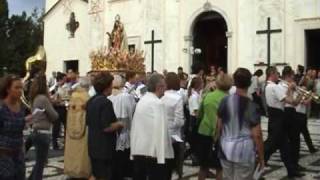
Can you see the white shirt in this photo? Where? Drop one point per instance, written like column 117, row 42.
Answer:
column 141, row 90
column 184, row 94
column 232, row 90
column 286, row 87
column 275, row 94
column 92, row 91
column 124, row 105
column 131, row 89
column 301, row 108
column 253, row 87
column 173, row 103
column 149, row 131
column 194, row 102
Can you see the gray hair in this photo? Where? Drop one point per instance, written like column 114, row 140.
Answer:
column 84, row 82
column 118, row 81
column 153, row 81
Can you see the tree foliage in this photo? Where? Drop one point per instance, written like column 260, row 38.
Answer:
column 20, row 36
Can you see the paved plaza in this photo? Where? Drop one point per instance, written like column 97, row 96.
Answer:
column 276, row 171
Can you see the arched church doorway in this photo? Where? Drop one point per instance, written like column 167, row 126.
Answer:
column 209, row 41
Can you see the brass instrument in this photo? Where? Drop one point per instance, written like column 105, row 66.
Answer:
column 34, row 64
column 304, row 93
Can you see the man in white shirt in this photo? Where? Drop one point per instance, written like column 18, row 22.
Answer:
column 293, row 125
column 276, row 97
column 151, row 144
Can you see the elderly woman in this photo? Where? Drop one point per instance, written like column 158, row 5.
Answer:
column 240, row 131
column 12, row 123
column 124, row 105
column 207, row 128
column 173, row 102
column 76, row 159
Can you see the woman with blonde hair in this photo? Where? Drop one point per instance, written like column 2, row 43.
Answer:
column 207, row 127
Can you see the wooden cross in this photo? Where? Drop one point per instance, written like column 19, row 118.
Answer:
column 269, row 31
column 152, row 42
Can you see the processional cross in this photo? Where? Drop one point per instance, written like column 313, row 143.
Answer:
column 152, row 42
column 269, row 31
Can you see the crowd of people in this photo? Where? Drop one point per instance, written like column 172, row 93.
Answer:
column 144, row 126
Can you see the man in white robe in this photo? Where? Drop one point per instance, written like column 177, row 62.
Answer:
column 151, row 144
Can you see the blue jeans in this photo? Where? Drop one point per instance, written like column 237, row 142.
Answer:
column 41, row 143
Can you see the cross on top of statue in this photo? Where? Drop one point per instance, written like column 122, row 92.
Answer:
column 152, row 42
column 269, row 31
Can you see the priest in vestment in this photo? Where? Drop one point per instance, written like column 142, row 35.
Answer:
column 151, row 146
column 124, row 105
column 76, row 158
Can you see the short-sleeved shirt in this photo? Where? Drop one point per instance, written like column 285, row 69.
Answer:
column 238, row 115
column 275, row 94
column 194, row 102
column 11, row 127
column 208, row 112
column 99, row 116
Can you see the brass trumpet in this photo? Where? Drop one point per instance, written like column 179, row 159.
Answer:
column 304, row 93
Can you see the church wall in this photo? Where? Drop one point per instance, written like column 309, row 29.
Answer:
column 246, row 33
column 172, row 44
column 300, row 16
column 59, row 47
column 49, row 4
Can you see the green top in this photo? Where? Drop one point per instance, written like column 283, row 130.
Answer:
column 208, row 112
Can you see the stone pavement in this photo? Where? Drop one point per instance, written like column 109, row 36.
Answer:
column 276, row 171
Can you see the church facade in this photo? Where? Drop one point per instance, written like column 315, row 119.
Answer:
column 226, row 33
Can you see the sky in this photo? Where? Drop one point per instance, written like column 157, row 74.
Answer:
column 17, row 6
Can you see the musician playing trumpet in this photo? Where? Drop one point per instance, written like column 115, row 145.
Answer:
column 277, row 95
column 291, row 120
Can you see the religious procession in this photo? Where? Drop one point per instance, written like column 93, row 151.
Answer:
column 93, row 104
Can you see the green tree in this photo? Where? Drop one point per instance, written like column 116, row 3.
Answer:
column 4, row 13
column 23, row 35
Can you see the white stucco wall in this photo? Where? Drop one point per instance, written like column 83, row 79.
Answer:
column 59, row 47
column 172, row 21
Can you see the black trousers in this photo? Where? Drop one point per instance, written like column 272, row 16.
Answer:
column 278, row 139
column 62, row 111
column 258, row 100
column 148, row 169
column 303, row 122
column 122, row 166
column 177, row 163
column 294, row 130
